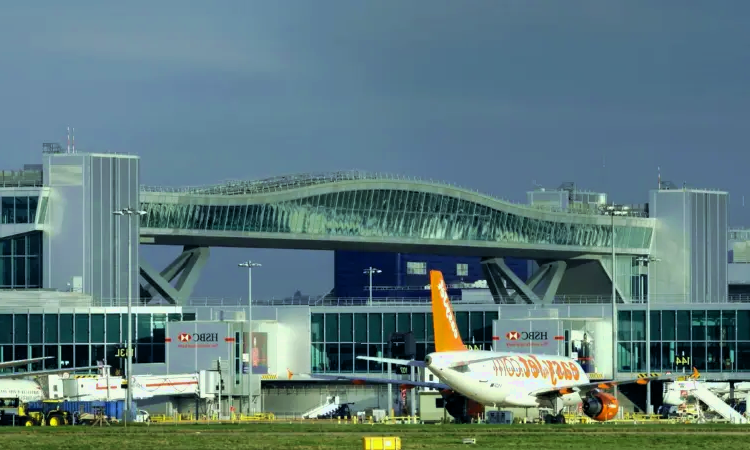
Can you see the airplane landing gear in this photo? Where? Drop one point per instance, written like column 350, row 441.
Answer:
column 550, row 419
column 557, row 405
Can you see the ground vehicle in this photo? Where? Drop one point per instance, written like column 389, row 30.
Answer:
column 15, row 412
column 143, row 416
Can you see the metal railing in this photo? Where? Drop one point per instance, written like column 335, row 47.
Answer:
column 295, row 181
column 377, row 302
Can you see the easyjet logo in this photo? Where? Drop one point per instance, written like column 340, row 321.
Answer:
column 448, row 312
column 184, row 337
column 532, row 367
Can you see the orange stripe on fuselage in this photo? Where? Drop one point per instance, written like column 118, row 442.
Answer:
column 447, row 336
column 531, row 366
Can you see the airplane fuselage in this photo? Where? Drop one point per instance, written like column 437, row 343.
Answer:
column 25, row 390
column 504, row 379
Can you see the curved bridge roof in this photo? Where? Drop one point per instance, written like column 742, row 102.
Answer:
column 365, row 211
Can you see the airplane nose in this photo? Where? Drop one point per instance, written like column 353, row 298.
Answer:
column 428, row 360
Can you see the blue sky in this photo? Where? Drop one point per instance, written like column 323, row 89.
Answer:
column 491, row 95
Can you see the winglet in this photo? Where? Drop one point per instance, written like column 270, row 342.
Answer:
column 289, row 374
column 695, row 375
column 447, row 337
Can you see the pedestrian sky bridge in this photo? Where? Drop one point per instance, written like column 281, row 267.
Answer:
column 371, row 212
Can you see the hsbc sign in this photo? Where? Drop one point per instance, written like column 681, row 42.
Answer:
column 196, row 340
column 526, row 335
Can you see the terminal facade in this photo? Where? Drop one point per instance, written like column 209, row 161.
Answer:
column 68, row 266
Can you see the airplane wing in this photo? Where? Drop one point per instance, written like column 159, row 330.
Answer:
column 366, row 380
column 37, row 373
column 22, row 362
column 398, row 362
column 587, row 387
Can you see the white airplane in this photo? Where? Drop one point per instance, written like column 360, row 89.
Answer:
column 19, row 385
column 472, row 379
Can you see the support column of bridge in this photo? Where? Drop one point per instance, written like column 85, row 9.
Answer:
column 187, row 265
column 546, row 279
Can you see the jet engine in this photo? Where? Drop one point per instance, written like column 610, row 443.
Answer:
column 600, row 406
column 462, row 409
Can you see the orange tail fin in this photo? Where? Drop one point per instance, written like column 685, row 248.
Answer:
column 447, row 337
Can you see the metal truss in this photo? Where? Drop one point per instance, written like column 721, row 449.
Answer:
column 187, row 266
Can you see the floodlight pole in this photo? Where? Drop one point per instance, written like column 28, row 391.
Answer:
column 130, row 213
column 645, row 261
column 370, row 270
column 249, row 266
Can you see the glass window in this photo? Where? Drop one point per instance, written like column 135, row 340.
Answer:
column 21, row 329
column 144, row 329
column 462, row 320
column 476, row 332
column 624, row 356
column 683, row 325
column 728, row 356
column 36, row 329
column 404, row 322
column 683, row 357
column 698, row 325
column 668, row 356
column 360, row 328
column 668, row 329
column 347, row 357
column 655, row 356
column 462, row 270
column 97, row 328
column 143, row 353
column 22, row 210
column 317, row 358
column 52, row 363
column 359, row 364
column 728, row 326
column 82, row 328
column 743, row 355
column 429, row 327
column 113, row 328
column 97, row 353
column 416, row 268
column 623, row 326
column 316, row 327
column 6, row 328
column 375, row 350
column 489, row 317
column 66, row 330
column 639, row 356
column 7, row 205
column 655, row 325
column 639, row 325
column 82, row 358
column 332, row 357
column 346, row 327
column 50, row 328
column 699, row 356
column 713, row 325
column 160, row 323
column 743, row 325
column 375, row 328
column 332, row 327
column 159, row 353
column 713, row 357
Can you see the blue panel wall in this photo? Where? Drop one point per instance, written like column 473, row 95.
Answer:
column 350, row 281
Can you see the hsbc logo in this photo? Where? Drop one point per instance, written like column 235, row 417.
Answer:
column 526, row 335
column 198, row 337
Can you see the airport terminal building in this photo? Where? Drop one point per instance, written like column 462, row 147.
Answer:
column 69, row 265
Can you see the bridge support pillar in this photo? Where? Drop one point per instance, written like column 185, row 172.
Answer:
column 541, row 287
column 187, row 266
